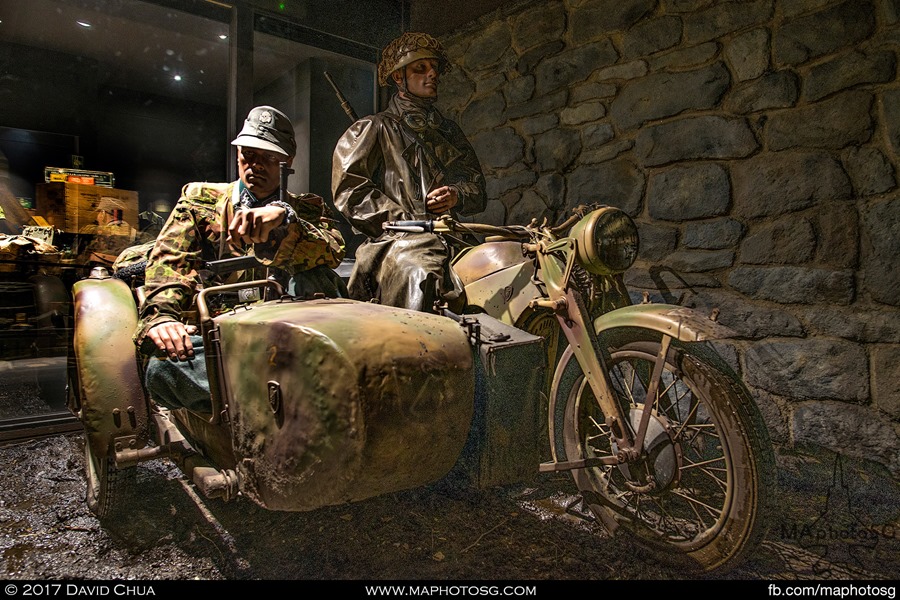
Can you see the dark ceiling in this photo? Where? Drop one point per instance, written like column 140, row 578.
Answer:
column 148, row 44
column 440, row 17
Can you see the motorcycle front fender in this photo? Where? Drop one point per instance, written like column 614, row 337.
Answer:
column 683, row 324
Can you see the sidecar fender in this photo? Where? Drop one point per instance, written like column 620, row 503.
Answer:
column 113, row 407
column 684, row 324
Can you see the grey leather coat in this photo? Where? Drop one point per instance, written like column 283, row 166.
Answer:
column 380, row 173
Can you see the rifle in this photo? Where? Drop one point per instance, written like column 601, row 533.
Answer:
column 283, row 172
column 345, row 104
column 223, row 266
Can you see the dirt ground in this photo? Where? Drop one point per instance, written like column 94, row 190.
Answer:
column 836, row 520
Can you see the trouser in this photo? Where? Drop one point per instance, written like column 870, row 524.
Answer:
column 180, row 383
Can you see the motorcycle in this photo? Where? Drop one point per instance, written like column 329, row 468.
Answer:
column 322, row 401
column 660, row 435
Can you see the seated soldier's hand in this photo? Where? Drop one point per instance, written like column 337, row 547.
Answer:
column 442, row 199
column 254, row 225
column 173, row 337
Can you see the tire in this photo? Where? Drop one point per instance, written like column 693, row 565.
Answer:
column 107, row 485
column 707, row 457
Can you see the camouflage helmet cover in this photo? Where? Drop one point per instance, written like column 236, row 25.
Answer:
column 407, row 49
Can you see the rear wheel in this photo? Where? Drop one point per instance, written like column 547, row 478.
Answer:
column 697, row 491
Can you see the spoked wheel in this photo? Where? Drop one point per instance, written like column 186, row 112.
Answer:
column 697, row 491
column 106, row 484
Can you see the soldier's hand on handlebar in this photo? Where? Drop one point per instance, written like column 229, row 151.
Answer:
column 254, row 225
column 173, row 337
column 442, row 199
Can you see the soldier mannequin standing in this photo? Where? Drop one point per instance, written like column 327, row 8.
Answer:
column 407, row 162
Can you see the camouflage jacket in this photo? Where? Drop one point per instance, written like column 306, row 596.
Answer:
column 195, row 233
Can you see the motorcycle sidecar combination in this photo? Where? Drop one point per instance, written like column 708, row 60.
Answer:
column 314, row 402
column 319, row 402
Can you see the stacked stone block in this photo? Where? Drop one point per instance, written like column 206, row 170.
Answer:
column 755, row 142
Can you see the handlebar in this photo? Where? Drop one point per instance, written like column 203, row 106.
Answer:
column 452, row 226
column 410, row 226
column 446, row 224
column 202, row 308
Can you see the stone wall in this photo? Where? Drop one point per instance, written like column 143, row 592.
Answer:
column 756, row 144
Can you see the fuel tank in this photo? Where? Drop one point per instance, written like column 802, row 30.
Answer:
column 497, row 278
column 334, row 400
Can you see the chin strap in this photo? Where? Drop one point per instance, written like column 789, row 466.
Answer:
column 403, row 87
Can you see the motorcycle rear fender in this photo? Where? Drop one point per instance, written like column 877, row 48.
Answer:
column 113, row 407
column 683, row 324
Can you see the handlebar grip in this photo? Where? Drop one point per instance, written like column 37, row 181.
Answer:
column 409, row 226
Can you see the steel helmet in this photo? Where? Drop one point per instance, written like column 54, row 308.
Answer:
column 409, row 48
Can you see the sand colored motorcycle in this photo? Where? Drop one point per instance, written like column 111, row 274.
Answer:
column 660, row 435
column 547, row 366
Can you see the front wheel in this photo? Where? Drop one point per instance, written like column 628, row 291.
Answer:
column 697, row 492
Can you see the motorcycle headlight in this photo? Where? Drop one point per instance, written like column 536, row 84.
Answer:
column 607, row 241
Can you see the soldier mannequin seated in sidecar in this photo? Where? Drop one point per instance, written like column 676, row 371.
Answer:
column 293, row 235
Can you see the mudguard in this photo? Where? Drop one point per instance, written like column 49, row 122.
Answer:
column 683, row 324
column 113, row 406
column 334, row 400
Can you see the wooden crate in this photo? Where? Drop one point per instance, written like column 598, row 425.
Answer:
column 72, row 207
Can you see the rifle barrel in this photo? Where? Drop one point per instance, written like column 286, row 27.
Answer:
column 345, row 104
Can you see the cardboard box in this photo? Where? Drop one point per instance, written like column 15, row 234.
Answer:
column 72, row 207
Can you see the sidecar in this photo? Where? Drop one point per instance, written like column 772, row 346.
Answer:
column 315, row 401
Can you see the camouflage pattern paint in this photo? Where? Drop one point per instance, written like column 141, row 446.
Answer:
column 113, row 406
column 368, row 399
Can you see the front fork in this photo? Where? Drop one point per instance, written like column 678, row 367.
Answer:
column 574, row 320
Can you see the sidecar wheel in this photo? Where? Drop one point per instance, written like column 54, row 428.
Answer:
column 106, row 484
column 698, row 494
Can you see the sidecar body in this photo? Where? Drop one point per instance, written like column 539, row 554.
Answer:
column 316, row 402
